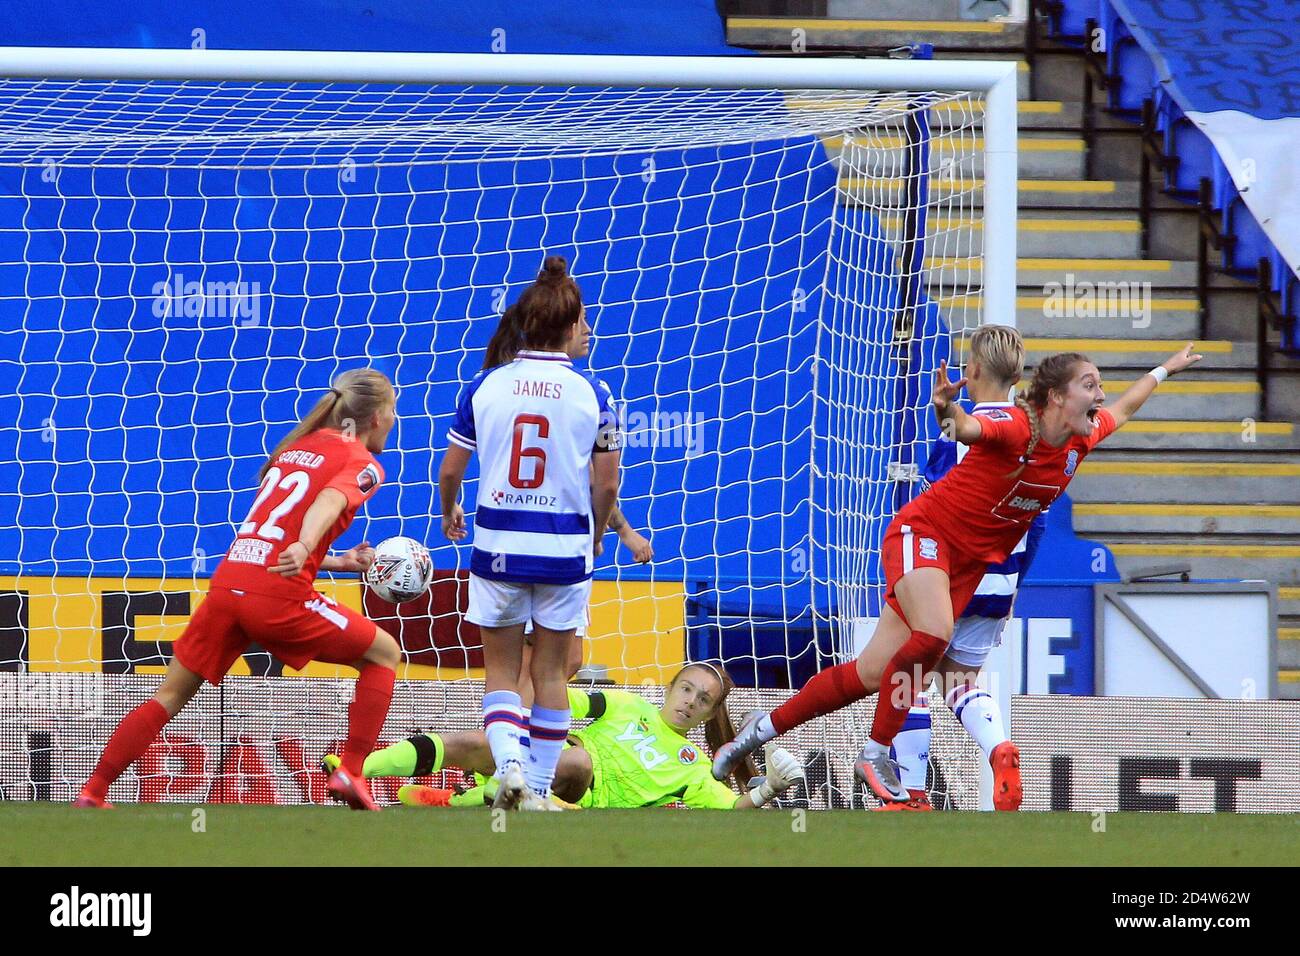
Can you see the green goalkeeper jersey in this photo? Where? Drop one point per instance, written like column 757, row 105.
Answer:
column 638, row 760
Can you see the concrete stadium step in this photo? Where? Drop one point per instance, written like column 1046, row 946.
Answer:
column 1118, row 312
column 1288, row 685
column 1182, row 519
column 1228, row 436
column 963, row 272
column 1110, row 478
column 1193, row 399
column 1288, row 640
column 1143, row 354
column 1240, row 558
column 1288, row 606
column 1114, row 236
column 823, row 33
column 1030, row 114
column 1041, row 155
column 1030, row 194
column 1113, row 312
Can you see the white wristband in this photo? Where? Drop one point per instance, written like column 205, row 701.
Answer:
column 1159, row 373
column 761, row 794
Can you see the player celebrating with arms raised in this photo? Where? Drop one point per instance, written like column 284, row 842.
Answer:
column 938, row 548
column 312, row 485
column 549, row 443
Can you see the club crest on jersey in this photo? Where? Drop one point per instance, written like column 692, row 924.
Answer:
column 929, row 549
column 368, row 478
column 994, row 414
column 1071, row 462
column 687, row 755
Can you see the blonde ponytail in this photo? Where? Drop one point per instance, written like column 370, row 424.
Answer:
column 355, row 396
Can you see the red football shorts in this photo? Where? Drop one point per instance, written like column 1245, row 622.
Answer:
column 914, row 544
column 295, row 631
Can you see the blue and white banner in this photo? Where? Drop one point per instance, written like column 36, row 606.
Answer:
column 1233, row 66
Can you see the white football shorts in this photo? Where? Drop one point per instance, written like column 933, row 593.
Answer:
column 973, row 638
column 503, row 603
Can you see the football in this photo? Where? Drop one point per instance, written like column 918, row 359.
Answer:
column 401, row 571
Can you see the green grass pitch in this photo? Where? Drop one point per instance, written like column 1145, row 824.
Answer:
column 158, row 834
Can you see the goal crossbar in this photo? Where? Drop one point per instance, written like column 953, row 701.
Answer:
column 995, row 79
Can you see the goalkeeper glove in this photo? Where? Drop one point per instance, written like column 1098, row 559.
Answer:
column 783, row 772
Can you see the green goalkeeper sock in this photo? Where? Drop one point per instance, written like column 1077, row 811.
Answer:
column 413, row 757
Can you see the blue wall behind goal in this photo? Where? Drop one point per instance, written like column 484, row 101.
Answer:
column 664, row 27
column 144, row 409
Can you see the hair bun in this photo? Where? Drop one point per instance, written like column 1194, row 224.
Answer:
column 554, row 269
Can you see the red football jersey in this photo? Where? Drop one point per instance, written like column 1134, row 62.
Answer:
column 980, row 510
column 323, row 459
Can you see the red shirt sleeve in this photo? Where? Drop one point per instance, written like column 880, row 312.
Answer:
column 358, row 477
column 1104, row 425
column 1003, row 426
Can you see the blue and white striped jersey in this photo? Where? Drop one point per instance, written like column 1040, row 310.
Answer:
column 996, row 591
column 534, row 423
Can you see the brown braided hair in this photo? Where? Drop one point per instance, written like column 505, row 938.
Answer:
column 1051, row 375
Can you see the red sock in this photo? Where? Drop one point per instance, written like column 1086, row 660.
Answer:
column 131, row 738
column 921, row 653
column 827, row 691
column 366, row 715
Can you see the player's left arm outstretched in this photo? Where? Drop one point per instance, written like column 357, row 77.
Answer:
column 1127, row 405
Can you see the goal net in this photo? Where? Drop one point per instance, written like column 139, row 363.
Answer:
column 771, row 276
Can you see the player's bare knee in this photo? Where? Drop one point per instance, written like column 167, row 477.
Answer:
column 385, row 650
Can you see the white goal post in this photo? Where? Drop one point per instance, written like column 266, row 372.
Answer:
column 193, row 242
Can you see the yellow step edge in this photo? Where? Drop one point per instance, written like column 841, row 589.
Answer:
column 1196, row 469
column 1288, row 594
column 1174, row 387
column 1166, row 346
column 1115, row 387
column 1208, row 428
column 848, row 25
column 1100, row 186
column 1190, row 511
column 1036, row 144
column 1289, row 677
column 1078, row 265
column 1288, row 633
column 1199, row 550
column 1047, row 107
column 976, row 297
column 941, row 223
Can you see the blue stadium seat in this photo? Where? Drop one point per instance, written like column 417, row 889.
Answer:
column 1126, row 61
column 1074, row 16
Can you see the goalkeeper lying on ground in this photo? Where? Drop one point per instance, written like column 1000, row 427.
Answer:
column 630, row 755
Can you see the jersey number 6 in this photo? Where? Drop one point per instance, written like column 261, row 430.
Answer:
column 518, row 452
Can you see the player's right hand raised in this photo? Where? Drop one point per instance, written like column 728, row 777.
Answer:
column 944, row 390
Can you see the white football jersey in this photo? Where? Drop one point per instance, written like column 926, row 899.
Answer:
column 535, row 423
